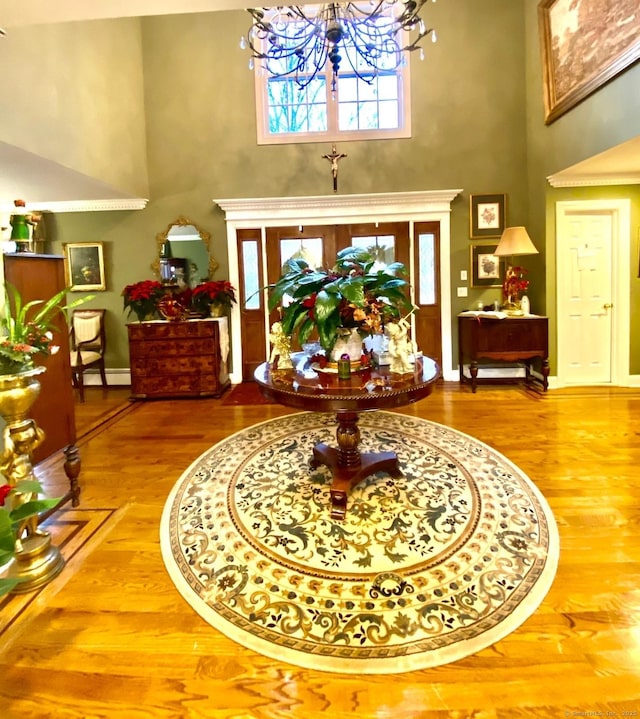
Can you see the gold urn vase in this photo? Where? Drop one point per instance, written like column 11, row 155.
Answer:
column 36, row 561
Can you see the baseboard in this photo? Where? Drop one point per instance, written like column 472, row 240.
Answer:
column 115, row 378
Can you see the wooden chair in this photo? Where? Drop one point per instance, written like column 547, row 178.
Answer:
column 87, row 345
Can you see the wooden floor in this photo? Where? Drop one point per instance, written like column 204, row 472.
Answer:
column 111, row 637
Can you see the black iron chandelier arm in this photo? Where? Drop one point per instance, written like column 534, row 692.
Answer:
column 289, row 42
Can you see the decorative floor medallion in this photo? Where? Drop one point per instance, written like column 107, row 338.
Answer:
column 424, row 570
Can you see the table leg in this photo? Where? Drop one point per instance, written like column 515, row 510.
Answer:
column 473, row 371
column 347, row 464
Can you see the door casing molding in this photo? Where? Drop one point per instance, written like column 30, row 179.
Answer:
column 260, row 213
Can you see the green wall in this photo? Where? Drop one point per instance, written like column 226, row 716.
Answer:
column 468, row 132
column 605, row 119
column 477, row 125
column 73, row 94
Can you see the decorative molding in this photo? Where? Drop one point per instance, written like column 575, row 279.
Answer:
column 384, row 206
column 133, row 203
column 561, row 180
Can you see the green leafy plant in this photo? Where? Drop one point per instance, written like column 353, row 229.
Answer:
column 350, row 294
column 12, row 518
column 26, row 329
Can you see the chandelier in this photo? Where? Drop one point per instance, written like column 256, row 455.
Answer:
column 373, row 37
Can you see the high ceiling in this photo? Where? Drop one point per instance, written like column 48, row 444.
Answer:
column 617, row 165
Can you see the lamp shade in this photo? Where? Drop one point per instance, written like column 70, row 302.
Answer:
column 515, row 241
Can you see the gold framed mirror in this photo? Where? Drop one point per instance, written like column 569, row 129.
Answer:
column 190, row 244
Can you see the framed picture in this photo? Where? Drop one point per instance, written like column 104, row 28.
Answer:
column 487, row 268
column 488, row 213
column 85, row 266
column 574, row 63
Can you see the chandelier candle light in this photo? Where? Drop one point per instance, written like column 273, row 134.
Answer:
column 373, row 37
column 515, row 241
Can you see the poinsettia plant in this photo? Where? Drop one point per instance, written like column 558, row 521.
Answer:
column 141, row 298
column 213, row 291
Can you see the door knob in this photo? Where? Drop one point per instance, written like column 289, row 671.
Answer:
column 607, row 306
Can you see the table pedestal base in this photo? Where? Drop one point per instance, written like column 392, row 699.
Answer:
column 348, row 466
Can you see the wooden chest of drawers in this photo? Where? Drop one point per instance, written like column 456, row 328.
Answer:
column 178, row 359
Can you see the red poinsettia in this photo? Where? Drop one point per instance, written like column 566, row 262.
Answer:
column 208, row 293
column 141, row 298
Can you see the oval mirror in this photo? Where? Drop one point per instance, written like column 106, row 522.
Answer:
column 188, row 246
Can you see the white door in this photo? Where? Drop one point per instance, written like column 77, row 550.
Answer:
column 589, row 318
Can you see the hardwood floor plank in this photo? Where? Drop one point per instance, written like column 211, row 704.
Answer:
column 111, row 636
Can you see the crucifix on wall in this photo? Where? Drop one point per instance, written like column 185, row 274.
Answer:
column 334, row 158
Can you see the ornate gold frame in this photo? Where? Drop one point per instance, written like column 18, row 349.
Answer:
column 618, row 47
column 182, row 221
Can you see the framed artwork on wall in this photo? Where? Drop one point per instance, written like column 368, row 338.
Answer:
column 487, row 268
column 84, row 266
column 488, row 215
column 574, row 64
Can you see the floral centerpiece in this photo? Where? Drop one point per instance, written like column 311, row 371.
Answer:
column 513, row 287
column 141, row 298
column 352, row 294
column 220, row 293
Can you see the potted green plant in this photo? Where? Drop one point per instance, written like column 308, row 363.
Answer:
column 26, row 329
column 350, row 295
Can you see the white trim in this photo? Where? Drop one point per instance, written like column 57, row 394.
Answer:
column 259, row 213
column 115, row 377
column 560, row 180
column 133, row 203
column 620, row 210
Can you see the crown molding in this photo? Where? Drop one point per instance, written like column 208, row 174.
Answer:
column 384, row 206
column 561, row 180
column 133, row 203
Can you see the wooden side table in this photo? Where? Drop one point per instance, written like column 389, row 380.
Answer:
column 510, row 339
column 304, row 387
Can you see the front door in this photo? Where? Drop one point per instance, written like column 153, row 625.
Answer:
column 387, row 241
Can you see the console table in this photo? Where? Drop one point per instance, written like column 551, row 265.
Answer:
column 506, row 339
column 178, row 359
column 304, row 387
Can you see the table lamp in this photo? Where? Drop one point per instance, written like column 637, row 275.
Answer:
column 515, row 241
